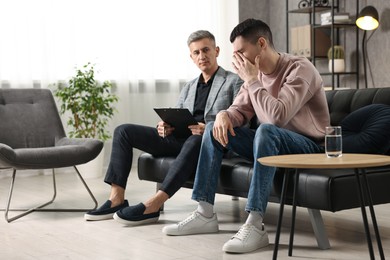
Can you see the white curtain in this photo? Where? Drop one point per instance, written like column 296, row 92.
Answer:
column 139, row 45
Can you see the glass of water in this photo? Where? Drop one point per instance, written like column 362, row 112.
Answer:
column 333, row 142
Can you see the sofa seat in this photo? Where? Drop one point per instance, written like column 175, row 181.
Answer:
column 327, row 189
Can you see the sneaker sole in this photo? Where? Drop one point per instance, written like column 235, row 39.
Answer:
column 245, row 250
column 190, row 232
column 98, row 217
column 135, row 223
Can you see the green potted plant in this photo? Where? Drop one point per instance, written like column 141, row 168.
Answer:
column 336, row 59
column 89, row 104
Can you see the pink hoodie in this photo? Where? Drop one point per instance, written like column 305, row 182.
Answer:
column 292, row 97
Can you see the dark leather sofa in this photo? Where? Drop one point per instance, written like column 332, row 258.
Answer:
column 329, row 190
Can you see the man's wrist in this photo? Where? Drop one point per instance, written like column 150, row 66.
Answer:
column 251, row 81
column 220, row 113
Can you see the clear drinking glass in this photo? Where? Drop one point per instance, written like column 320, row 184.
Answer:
column 333, row 142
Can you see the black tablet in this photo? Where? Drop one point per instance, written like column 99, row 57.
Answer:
column 179, row 118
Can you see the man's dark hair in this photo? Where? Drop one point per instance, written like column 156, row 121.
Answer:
column 251, row 30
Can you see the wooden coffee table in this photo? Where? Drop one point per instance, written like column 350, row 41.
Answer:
column 358, row 162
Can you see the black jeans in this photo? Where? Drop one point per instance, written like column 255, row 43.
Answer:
column 129, row 136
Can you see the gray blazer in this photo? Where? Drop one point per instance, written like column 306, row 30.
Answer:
column 224, row 89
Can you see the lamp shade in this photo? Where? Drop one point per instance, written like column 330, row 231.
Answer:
column 368, row 18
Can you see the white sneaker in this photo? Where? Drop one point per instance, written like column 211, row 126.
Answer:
column 193, row 224
column 248, row 238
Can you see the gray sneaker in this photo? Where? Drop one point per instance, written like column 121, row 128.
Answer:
column 248, row 238
column 193, row 224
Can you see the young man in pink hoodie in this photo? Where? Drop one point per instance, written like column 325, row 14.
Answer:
column 286, row 95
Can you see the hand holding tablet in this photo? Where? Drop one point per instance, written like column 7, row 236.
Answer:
column 179, row 118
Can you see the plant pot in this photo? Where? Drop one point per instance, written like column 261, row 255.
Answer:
column 339, row 65
column 92, row 169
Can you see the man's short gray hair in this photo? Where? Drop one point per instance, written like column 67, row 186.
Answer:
column 199, row 35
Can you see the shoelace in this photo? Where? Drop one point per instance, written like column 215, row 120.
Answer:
column 188, row 219
column 244, row 231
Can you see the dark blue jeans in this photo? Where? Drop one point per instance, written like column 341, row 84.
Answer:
column 129, row 136
column 266, row 140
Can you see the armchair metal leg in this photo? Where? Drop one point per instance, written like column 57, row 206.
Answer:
column 89, row 191
column 41, row 207
column 28, row 211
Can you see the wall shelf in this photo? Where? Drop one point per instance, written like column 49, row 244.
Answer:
column 334, row 30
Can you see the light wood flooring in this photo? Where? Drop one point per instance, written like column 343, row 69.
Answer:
column 53, row 235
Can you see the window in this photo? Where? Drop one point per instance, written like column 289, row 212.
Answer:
column 44, row 40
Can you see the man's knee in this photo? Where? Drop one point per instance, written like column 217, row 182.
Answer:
column 266, row 129
column 208, row 131
column 119, row 130
column 124, row 132
column 209, row 126
column 267, row 134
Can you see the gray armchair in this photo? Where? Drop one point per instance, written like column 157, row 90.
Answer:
column 32, row 137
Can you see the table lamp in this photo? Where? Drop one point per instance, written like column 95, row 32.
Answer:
column 367, row 20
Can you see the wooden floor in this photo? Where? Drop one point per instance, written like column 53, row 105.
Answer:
column 48, row 235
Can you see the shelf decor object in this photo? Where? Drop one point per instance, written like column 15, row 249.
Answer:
column 309, row 3
column 367, row 20
column 336, row 59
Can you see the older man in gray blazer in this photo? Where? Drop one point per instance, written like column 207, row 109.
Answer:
column 204, row 96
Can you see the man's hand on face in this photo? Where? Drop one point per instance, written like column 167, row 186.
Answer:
column 245, row 69
column 222, row 126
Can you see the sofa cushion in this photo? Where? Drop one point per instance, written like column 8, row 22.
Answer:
column 367, row 130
